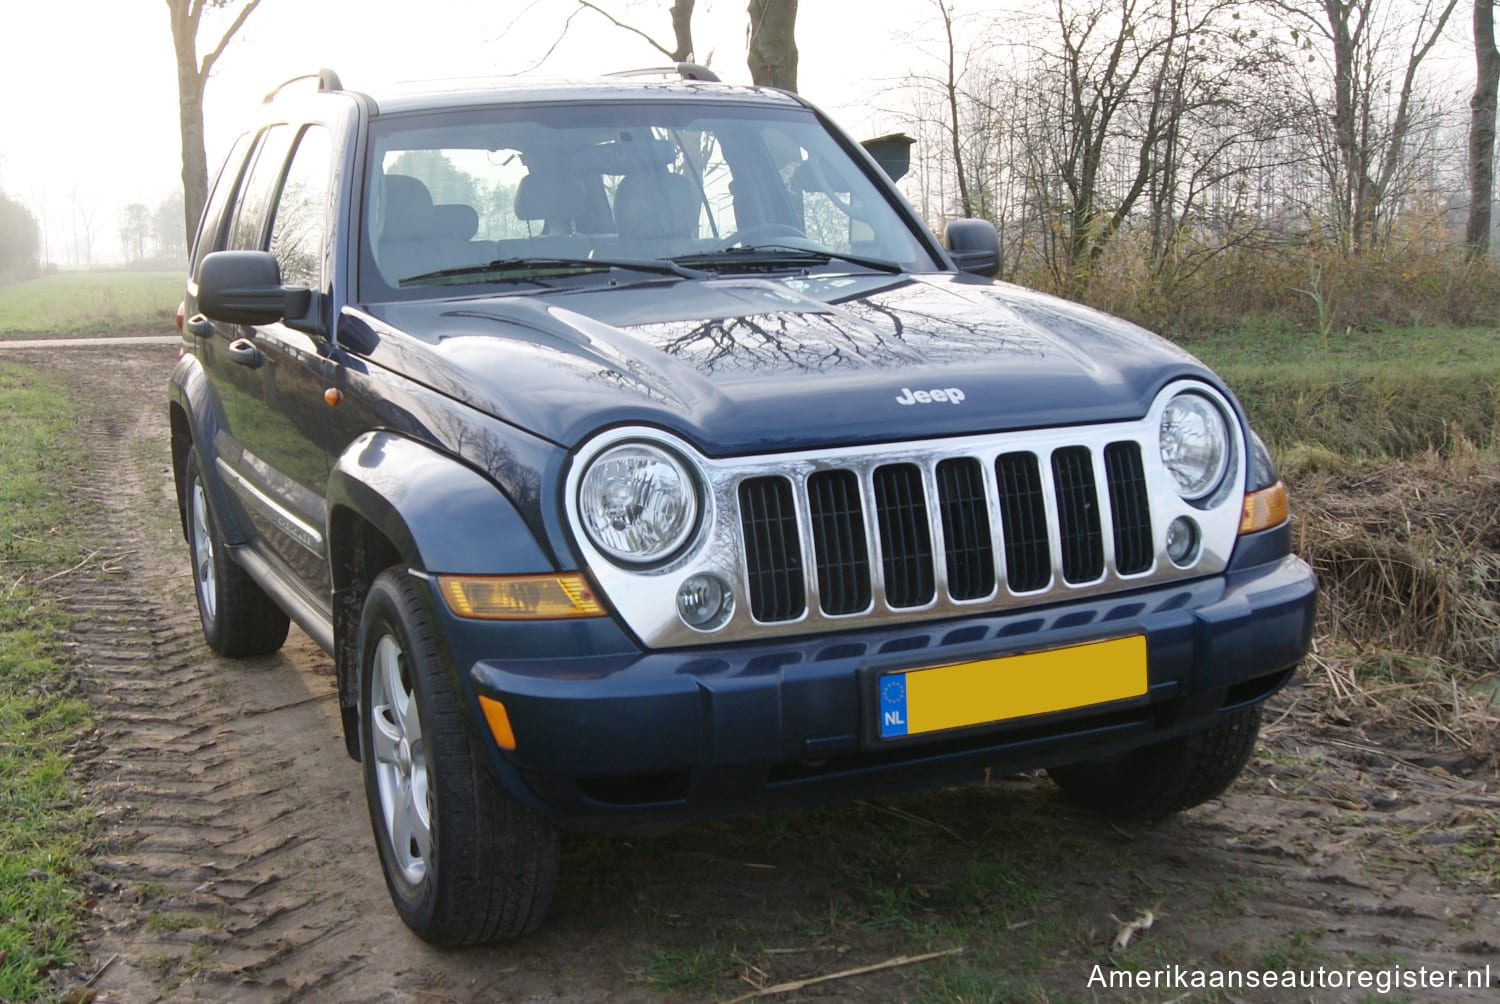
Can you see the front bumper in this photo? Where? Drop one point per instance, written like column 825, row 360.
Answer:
column 631, row 737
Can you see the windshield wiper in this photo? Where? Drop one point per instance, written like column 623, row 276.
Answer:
column 516, row 269
column 771, row 255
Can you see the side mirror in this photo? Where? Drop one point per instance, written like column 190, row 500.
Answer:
column 892, row 153
column 974, row 246
column 244, row 287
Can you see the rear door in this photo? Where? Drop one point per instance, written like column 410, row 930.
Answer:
column 270, row 379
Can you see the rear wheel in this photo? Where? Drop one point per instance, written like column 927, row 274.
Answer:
column 239, row 619
column 1167, row 777
column 464, row 862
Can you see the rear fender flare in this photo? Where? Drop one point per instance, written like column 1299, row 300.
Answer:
column 191, row 394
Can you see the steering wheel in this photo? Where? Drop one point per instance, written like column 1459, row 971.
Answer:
column 759, row 233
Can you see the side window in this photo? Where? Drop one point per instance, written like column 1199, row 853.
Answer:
column 301, row 212
column 211, row 227
column 257, row 190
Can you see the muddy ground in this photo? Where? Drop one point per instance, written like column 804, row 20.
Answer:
column 234, row 859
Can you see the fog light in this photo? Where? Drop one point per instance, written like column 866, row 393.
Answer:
column 704, row 602
column 1182, row 541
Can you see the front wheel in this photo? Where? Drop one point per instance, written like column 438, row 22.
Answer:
column 465, row 863
column 1166, row 777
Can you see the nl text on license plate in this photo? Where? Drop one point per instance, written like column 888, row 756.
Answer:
column 1014, row 686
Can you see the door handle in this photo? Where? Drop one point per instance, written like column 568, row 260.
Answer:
column 244, row 352
column 199, row 325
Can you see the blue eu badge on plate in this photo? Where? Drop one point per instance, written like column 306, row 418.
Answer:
column 893, row 706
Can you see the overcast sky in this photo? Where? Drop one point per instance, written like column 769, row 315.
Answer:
column 90, row 107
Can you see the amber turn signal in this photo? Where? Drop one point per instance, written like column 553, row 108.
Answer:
column 333, row 396
column 1264, row 509
column 519, row 597
column 498, row 721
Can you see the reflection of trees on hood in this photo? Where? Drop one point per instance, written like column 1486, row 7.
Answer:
column 859, row 334
column 811, row 343
column 519, row 477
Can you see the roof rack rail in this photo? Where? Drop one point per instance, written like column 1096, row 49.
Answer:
column 687, row 71
column 326, row 78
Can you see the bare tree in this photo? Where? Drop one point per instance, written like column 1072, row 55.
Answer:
column 772, row 48
column 83, row 228
column 19, row 240
column 1482, row 130
column 950, row 87
column 135, row 227
column 38, row 208
column 166, row 228
column 192, row 78
column 682, row 29
column 1376, row 103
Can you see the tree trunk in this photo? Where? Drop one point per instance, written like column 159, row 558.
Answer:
column 1482, row 130
column 192, row 76
column 682, row 30
column 772, row 55
column 189, row 116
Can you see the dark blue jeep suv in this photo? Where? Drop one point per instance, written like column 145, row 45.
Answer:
column 640, row 456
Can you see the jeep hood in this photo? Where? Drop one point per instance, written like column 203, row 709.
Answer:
column 746, row 364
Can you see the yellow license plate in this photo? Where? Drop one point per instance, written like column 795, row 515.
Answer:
column 1013, row 686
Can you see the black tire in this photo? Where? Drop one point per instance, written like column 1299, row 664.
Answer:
column 468, row 865
column 238, row 618
column 1158, row 780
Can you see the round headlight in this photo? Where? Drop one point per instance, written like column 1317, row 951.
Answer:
column 638, row 503
column 1194, row 444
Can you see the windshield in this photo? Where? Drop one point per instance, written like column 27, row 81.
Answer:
column 448, row 196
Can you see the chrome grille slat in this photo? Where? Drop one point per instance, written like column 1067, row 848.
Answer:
column 905, row 535
column 841, row 554
column 1078, row 515
column 1023, row 519
column 1130, row 508
column 967, row 534
column 772, row 549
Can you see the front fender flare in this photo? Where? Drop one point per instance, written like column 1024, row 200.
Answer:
column 436, row 513
column 440, row 514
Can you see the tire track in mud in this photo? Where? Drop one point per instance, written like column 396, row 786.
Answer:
column 222, row 785
column 235, row 860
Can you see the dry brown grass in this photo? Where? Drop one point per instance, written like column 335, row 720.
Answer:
column 1408, row 558
column 1419, row 274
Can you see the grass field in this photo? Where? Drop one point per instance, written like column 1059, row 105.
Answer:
column 1387, row 392
column 90, row 303
column 43, row 829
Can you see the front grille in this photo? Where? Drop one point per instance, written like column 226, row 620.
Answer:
column 773, row 553
column 1023, row 516
column 838, row 523
column 1129, row 507
column 935, row 530
column 1078, row 514
column 966, row 529
column 905, row 536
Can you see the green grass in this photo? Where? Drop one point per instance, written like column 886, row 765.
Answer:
column 42, row 826
column 91, row 303
column 1395, row 392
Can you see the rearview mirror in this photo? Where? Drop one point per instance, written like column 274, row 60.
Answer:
column 244, row 287
column 974, row 246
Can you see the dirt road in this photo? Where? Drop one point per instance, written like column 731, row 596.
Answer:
column 235, row 860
